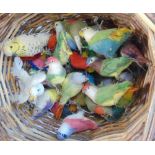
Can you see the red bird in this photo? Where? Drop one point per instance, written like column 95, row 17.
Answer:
column 77, row 61
column 52, row 41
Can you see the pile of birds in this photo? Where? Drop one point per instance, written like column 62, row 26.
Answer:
column 73, row 70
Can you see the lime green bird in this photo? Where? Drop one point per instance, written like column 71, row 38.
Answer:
column 106, row 95
column 105, row 42
column 71, row 86
column 111, row 113
column 62, row 50
column 111, row 67
column 56, row 72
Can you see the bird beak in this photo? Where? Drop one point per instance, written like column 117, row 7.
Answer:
column 81, row 34
column 32, row 98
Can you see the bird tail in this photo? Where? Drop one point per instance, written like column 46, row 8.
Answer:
column 17, row 70
column 57, row 110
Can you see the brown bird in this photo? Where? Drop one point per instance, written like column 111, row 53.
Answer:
column 133, row 52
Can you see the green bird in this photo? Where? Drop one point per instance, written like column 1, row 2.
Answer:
column 74, row 26
column 111, row 67
column 56, row 73
column 111, row 113
column 62, row 50
column 106, row 95
column 71, row 86
column 105, row 42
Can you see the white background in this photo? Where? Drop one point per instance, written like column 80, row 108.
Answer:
column 77, row 148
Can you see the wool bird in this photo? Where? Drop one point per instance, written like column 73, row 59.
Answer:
column 26, row 45
column 77, row 61
column 71, row 86
column 30, row 86
column 45, row 102
column 56, row 72
column 106, row 95
column 131, row 51
column 39, row 63
column 73, row 26
column 75, row 123
column 109, row 113
column 105, row 42
column 52, row 41
column 111, row 67
column 65, row 44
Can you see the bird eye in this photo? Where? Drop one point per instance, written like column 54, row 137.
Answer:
column 11, row 47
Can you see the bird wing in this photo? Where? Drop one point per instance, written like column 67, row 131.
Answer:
column 110, row 95
column 101, row 35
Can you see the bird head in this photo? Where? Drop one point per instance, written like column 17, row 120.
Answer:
column 86, row 87
column 64, row 131
column 35, row 91
column 59, row 27
column 91, row 60
column 87, row 33
column 51, row 60
column 99, row 110
column 79, row 78
column 10, row 47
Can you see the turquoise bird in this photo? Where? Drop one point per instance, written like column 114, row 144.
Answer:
column 105, row 42
column 71, row 86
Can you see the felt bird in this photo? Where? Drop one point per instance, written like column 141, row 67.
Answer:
column 26, row 45
column 70, row 41
column 62, row 51
column 105, row 42
column 71, row 86
column 75, row 123
column 52, row 41
column 106, row 95
column 45, row 102
column 111, row 67
column 109, row 113
column 30, row 86
column 77, row 61
column 56, row 72
column 131, row 51
column 73, row 27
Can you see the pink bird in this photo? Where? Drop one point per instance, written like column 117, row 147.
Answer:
column 75, row 123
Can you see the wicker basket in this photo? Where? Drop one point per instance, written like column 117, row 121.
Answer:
column 15, row 122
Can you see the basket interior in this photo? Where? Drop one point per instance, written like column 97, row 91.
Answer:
column 16, row 119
